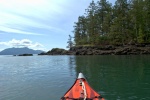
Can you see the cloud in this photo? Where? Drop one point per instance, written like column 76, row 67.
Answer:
column 46, row 16
column 23, row 43
column 55, row 16
column 17, row 16
column 17, row 31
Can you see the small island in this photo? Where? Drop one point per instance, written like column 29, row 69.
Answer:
column 25, row 55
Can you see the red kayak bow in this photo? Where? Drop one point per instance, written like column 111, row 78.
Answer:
column 81, row 90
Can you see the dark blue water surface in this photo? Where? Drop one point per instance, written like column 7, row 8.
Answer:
column 49, row 77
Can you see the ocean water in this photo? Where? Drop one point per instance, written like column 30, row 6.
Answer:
column 49, row 77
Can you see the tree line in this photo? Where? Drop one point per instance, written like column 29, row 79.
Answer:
column 125, row 22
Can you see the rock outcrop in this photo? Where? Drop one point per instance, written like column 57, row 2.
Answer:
column 101, row 50
column 55, row 51
column 109, row 50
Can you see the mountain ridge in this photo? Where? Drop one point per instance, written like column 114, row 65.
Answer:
column 17, row 51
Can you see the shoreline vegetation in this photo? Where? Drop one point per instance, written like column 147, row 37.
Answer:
column 127, row 22
column 106, row 29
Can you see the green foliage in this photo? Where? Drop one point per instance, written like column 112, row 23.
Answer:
column 128, row 21
column 140, row 36
column 70, row 43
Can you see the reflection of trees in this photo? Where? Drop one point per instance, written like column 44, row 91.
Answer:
column 113, row 74
column 72, row 65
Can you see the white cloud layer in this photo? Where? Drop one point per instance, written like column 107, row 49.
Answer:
column 19, row 14
column 51, row 15
column 23, row 43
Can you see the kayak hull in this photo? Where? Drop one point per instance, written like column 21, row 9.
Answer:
column 81, row 90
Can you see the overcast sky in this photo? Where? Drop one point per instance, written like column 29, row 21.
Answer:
column 39, row 24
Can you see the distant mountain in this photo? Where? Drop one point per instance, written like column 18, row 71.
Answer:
column 17, row 51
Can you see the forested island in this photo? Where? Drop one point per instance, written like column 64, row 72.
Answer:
column 119, row 29
column 122, row 28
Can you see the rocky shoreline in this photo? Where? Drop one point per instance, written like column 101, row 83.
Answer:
column 55, row 51
column 102, row 50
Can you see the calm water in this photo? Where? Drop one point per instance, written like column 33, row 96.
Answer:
column 49, row 77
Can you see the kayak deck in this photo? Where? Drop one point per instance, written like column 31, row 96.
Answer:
column 81, row 90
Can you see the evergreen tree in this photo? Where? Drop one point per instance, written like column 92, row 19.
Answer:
column 70, row 43
column 140, row 20
column 103, row 16
column 119, row 27
column 147, row 20
column 80, row 31
column 91, row 23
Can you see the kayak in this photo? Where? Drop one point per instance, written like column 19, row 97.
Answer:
column 81, row 90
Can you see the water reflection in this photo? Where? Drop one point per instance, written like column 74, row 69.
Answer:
column 116, row 77
column 72, row 65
